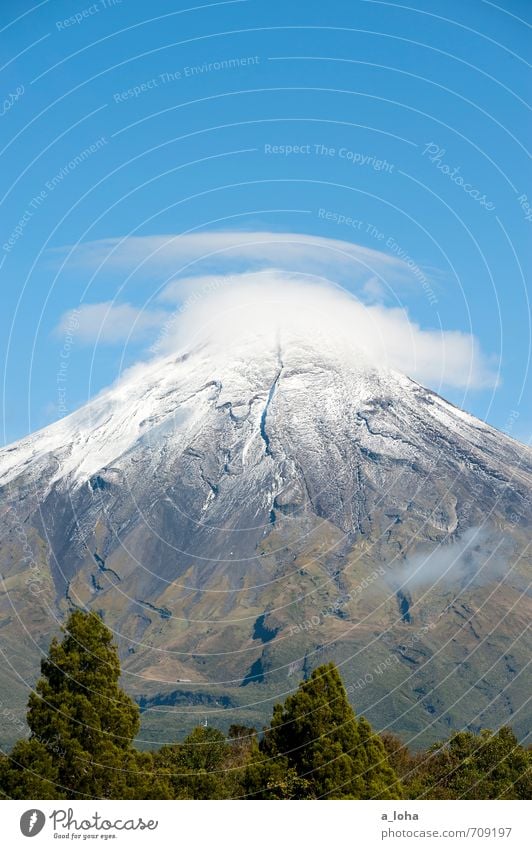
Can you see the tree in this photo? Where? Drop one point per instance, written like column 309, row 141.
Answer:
column 318, row 735
column 399, row 756
column 273, row 778
column 82, row 727
column 30, row 772
column 381, row 779
column 195, row 769
column 82, row 724
column 489, row 765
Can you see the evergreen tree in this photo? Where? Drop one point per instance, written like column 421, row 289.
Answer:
column 273, row 778
column 399, row 756
column 316, row 731
column 142, row 779
column 82, row 724
column 474, row 766
column 30, row 772
column 380, row 777
column 195, row 769
column 82, row 729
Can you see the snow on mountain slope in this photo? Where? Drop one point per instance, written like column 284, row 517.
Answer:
column 269, row 337
column 275, row 391
column 265, row 471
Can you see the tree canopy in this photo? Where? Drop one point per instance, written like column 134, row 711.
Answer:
column 317, row 732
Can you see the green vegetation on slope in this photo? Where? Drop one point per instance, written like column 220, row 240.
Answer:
column 82, row 727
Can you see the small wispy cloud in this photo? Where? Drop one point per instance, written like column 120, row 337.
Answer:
column 108, row 323
column 373, row 289
column 476, row 558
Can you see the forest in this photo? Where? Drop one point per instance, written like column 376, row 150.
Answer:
column 83, row 725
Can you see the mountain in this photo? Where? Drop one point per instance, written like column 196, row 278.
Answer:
column 243, row 512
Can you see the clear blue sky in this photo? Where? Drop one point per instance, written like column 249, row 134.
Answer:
column 140, row 119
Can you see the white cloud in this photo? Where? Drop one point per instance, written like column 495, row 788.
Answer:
column 107, row 323
column 226, row 310
column 235, row 291
column 204, row 252
column 373, row 289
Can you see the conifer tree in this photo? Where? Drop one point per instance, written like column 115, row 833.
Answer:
column 272, row 778
column 489, row 765
column 316, row 731
column 380, row 778
column 82, row 727
column 29, row 772
column 195, row 769
column 82, row 724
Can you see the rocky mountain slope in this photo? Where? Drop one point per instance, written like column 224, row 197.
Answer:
column 241, row 514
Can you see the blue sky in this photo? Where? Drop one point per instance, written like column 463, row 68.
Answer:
column 399, row 131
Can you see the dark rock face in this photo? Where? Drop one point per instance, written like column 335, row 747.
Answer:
column 227, row 520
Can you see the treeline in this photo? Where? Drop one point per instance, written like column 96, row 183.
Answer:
column 82, row 728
